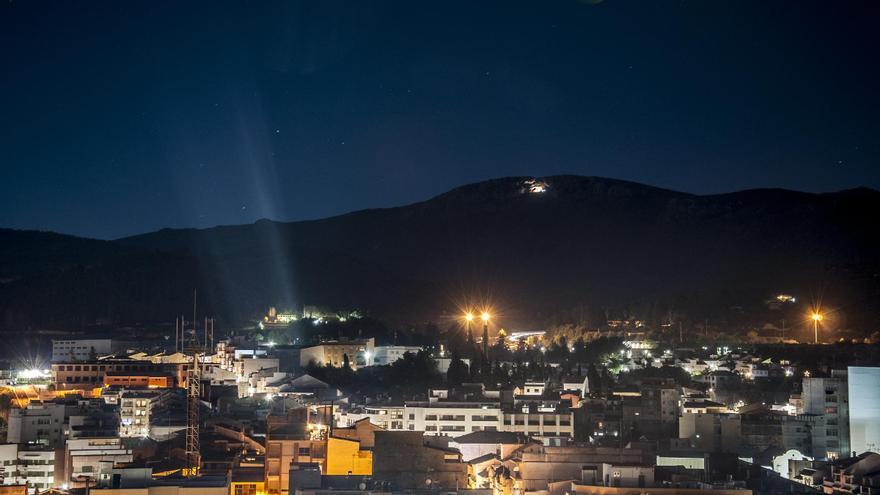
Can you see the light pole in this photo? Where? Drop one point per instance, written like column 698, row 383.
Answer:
column 468, row 319
column 816, row 317
column 485, row 317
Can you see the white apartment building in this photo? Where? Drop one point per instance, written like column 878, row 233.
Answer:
column 388, row 417
column 68, row 350
column 84, row 456
column 38, row 424
column 34, row 466
column 451, row 418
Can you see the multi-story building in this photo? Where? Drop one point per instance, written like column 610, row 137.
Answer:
column 84, row 456
column 859, row 474
column 28, row 464
column 144, row 379
column 598, row 418
column 452, row 418
column 652, row 408
column 536, row 421
column 134, row 413
column 829, row 397
column 87, row 375
column 711, row 432
column 39, row 423
column 291, row 440
column 806, row 433
column 333, row 353
column 388, row 417
column 864, row 410
column 67, row 350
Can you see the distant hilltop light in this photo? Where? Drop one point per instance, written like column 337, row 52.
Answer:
column 535, row 186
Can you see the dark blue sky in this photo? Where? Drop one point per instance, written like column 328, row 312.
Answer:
column 124, row 117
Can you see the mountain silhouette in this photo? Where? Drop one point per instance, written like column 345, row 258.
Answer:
column 530, row 248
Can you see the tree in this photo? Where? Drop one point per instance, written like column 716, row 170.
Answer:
column 346, row 364
column 458, row 371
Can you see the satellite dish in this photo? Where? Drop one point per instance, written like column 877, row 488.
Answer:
column 362, row 486
column 428, row 481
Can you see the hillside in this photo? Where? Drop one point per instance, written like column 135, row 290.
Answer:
column 600, row 243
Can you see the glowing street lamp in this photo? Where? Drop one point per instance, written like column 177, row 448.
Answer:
column 468, row 319
column 816, row 317
column 485, row 317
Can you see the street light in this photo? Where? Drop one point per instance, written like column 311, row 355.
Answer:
column 485, row 317
column 468, row 319
column 816, row 317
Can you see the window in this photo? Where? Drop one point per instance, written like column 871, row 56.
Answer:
column 429, row 417
column 477, row 417
column 452, row 428
column 305, row 450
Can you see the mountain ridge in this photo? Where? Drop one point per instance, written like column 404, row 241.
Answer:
column 532, row 246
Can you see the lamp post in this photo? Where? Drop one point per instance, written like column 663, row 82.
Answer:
column 485, row 317
column 816, row 317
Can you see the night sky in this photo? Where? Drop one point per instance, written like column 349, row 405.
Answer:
column 124, row 117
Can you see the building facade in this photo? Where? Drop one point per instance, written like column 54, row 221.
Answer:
column 864, row 408
column 829, row 397
column 64, row 350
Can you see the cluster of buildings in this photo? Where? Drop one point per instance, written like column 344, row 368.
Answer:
column 118, row 422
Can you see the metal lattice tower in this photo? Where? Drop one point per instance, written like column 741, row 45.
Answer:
column 191, row 345
column 193, row 391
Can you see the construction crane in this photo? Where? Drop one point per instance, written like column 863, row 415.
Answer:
column 188, row 342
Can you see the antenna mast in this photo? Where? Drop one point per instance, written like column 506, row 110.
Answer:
column 194, row 348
